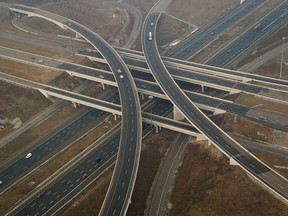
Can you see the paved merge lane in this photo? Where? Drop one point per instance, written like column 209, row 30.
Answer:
column 230, row 147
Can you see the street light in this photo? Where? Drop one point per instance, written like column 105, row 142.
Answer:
column 282, row 53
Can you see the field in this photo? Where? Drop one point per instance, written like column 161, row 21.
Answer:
column 205, row 184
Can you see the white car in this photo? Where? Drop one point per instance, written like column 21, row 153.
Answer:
column 119, row 70
column 29, row 155
column 101, row 76
column 1, row 182
column 121, row 76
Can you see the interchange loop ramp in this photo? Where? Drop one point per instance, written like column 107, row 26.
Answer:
column 239, row 155
column 131, row 125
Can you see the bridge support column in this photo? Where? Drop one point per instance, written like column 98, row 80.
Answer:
column 74, row 104
column 202, row 88
column 176, row 114
column 103, row 86
column 142, row 96
column 115, row 117
column 157, row 129
column 233, row 162
column 77, row 36
column 218, row 111
column 46, row 94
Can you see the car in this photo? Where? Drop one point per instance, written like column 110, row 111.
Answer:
column 41, row 61
column 84, row 176
column 121, row 76
column 152, row 23
column 1, row 182
column 98, row 160
column 40, row 195
column 119, row 70
column 29, row 155
column 101, row 76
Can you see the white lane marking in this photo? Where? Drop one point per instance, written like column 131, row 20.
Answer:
column 41, row 204
column 32, row 205
column 51, row 202
column 119, row 197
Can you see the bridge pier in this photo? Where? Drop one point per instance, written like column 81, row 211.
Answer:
column 177, row 115
column 233, row 162
column 103, row 86
column 218, row 111
column 202, row 88
column 75, row 104
column 115, row 117
column 45, row 93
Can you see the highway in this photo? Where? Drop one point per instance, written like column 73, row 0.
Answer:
column 137, row 65
column 270, row 22
column 217, row 22
column 48, row 146
column 198, row 76
column 57, row 194
column 131, row 127
column 194, row 43
column 219, row 138
column 203, row 101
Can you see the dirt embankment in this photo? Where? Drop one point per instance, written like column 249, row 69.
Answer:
column 208, row 185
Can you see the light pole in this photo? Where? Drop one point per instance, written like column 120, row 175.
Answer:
column 282, row 54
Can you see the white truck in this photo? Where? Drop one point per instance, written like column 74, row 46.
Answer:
column 242, row 1
column 150, row 36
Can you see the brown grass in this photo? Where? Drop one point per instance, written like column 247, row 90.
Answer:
column 209, row 186
column 199, row 13
column 30, row 72
column 45, row 171
column 242, row 126
column 90, row 200
column 29, row 137
column 19, row 102
column 251, row 100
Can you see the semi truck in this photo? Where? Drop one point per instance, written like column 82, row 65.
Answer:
column 150, row 36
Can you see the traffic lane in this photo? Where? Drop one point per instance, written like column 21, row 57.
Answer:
column 55, row 202
column 58, row 138
column 176, row 95
column 250, row 37
column 88, row 99
column 212, row 30
column 73, row 181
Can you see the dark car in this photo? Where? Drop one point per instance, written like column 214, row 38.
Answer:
column 98, row 160
column 40, row 195
column 84, row 176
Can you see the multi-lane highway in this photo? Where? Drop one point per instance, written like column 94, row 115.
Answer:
column 209, row 33
column 226, row 144
column 269, row 23
column 131, row 133
column 202, row 101
column 47, row 147
column 55, row 196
